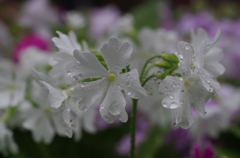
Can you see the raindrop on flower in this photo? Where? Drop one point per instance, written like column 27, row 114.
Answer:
column 129, row 93
column 187, row 47
column 181, row 57
column 173, row 105
column 171, row 96
column 165, row 104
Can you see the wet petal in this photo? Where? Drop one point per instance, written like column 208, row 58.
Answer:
column 66, row 44
column 87, row 67
column 173, row 90
column 183, row 115
column 131, row 85
column 55, row 96
column 116, row 56
column 184, row 54
column 113, row 104
column 88, row 93
column 198, row 95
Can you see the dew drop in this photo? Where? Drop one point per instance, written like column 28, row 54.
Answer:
column 102, row 107
column 85, row 109
column 165, row 104
column 174, row 85
column 82, row 85
column 181, row 101
column 171, row 96
column 173, row 105
column 129, row 93
column 208, row 81
column 187, row 47
column 181, row 57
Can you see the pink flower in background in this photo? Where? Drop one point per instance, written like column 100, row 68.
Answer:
column 101, row 20
column 206, row 152
column 30, row 40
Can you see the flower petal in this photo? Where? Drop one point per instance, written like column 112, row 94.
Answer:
column 131, row 85
column 183, row 115
column 66, row 44
column 39, row 76
column 210, row 84
column 184, row 54
column 88, row 93
column 173, row 89
column 87, row 67
column 113, row 104
column 55, row 96
column 116, row 56
column 198, row 95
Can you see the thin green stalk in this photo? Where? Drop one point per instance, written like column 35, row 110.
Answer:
column 148, row 79
column 145, row 66
column 133, row 127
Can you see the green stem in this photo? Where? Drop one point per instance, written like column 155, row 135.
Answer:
column 148, row 79
column 145, row 66
column 133, row 127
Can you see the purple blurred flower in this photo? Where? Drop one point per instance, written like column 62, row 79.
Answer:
column 123, row 147
column 142, row 125
column 180, row 139
column 101, row 20
column 30, row 40
column 166, row 17
column 194, row 21
column 206, row 152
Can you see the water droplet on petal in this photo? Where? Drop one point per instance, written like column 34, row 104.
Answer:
column 173, row 105
column 129, row 93
column 166, row 88
column 102, row 107
column 171, row 96
column 85, row 109
column 187, row 47
column 165, row 104
column 181, row 57
column 181, row 101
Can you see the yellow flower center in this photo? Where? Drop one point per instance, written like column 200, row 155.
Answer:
column 111, row 77
column 47, row 110
column 12, row 87
column 186, row 83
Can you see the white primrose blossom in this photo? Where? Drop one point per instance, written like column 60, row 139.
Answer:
column 57, row 97
column 33, row 57
column 43, row 120
column 182, row 92
column 7, row 144
column 152, row 42
column 110, row 83
column 206, row 59
column 66, row 45
column 75, row 20
column 12, row 86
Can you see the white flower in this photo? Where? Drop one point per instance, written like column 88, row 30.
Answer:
column 12, row 87
column 206, row 56
column 82, row 120
column 158, row 114
column 43, row 120
column 123, row 24
column 33, row 57
column 66, row 45
column 152, row 42
column 182, row 92
column 7, row 143
column 111, row 82
column 75, row 20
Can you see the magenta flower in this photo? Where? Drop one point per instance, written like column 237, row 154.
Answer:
column 206, row 152
column 30, row 40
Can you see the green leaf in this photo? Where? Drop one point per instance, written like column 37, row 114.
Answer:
column 146, row 15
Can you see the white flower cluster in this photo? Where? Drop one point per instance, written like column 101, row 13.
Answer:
column 80, row 78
